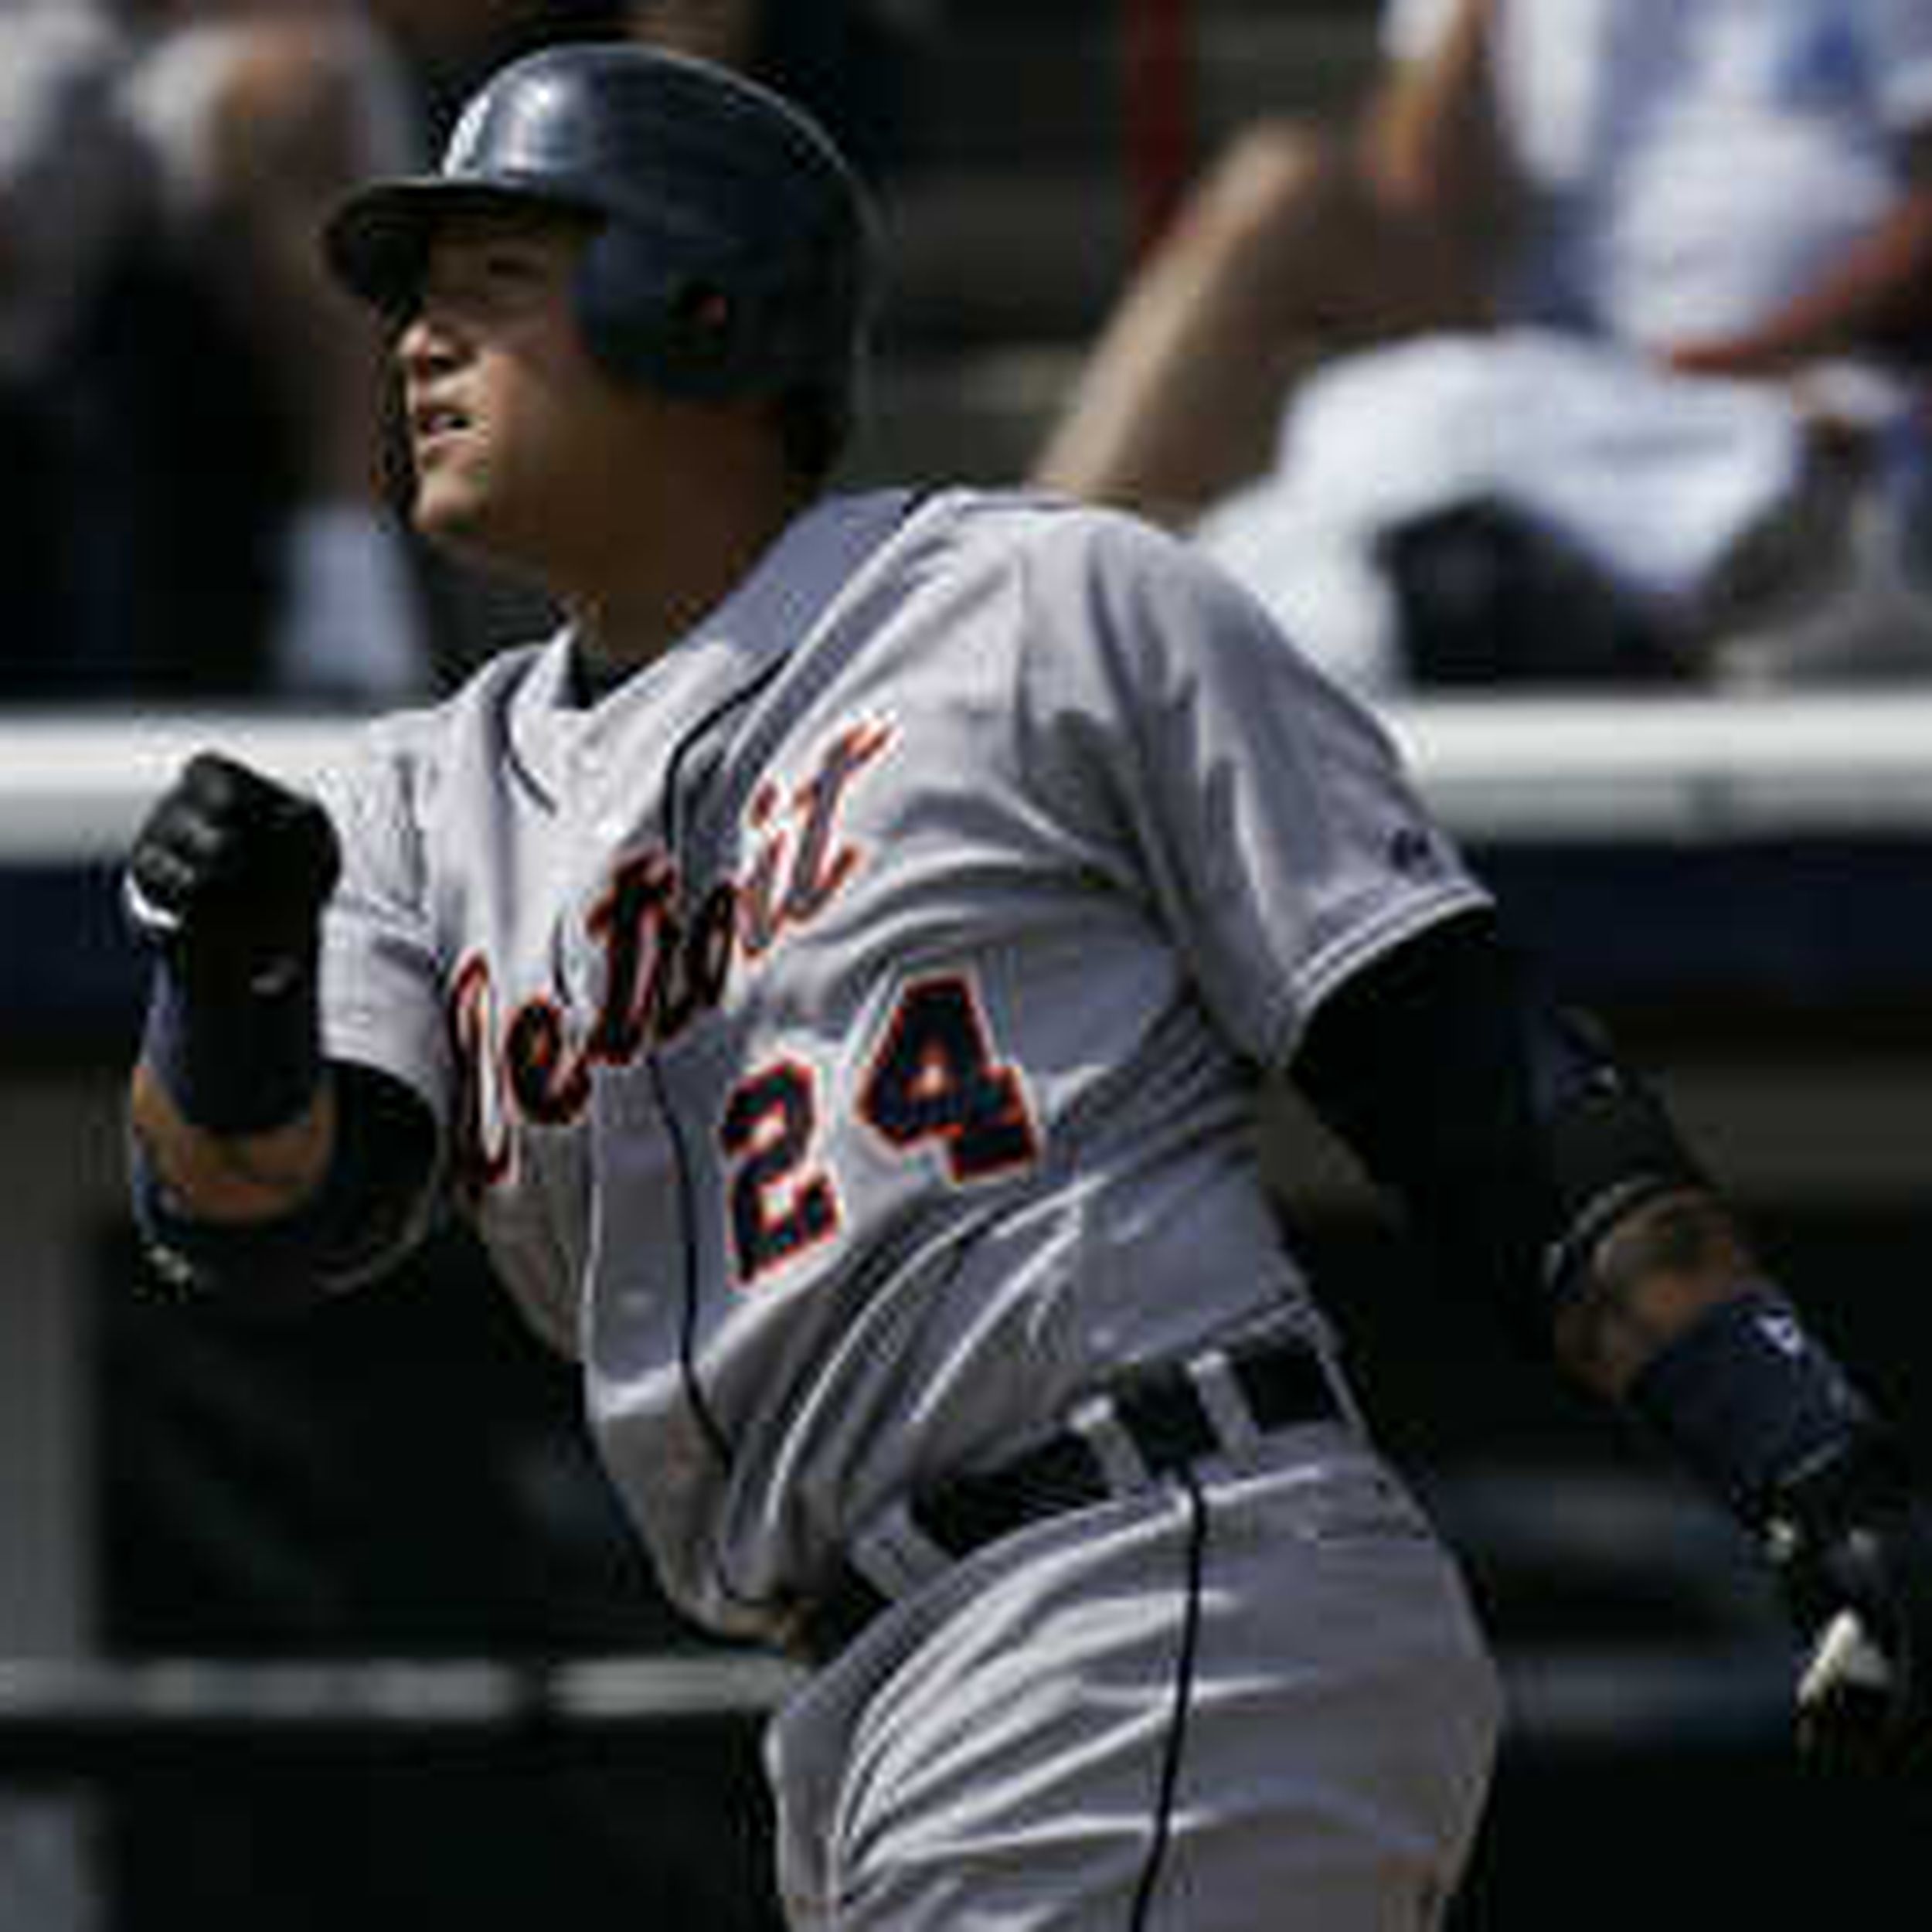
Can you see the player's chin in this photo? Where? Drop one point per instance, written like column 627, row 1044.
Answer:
column 452, row 511
column 478, row 529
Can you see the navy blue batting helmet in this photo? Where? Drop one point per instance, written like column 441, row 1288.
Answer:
column 732, row 257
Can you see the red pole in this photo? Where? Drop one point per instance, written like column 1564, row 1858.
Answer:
column 1158, row 61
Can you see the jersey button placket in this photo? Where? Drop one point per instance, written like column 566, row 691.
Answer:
column 595, row 809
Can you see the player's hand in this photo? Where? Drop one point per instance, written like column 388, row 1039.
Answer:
column 1852, row 1541
column 230, row 873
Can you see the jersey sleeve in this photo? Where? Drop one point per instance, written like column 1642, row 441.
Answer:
column 381, row 999
column 1201, row 762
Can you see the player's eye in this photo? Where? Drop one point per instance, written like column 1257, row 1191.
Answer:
column 513, row 267
column 486, row 275
column 496, row 279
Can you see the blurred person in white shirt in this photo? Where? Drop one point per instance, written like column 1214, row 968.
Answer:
column 1498, row 284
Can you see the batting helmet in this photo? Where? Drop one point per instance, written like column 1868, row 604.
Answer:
column 732, row 257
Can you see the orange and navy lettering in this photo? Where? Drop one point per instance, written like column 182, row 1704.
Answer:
column 934, row 1082
column 665, row 962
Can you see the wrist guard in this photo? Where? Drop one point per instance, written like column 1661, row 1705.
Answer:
column 1747, row 1399
column 1763, row 1414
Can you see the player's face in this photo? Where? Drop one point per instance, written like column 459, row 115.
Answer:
column 520, row 443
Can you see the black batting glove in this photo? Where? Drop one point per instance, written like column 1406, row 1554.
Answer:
column 227, row 881
column 1851, row 1540
column 229, row 875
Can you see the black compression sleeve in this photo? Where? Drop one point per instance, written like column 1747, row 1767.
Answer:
column 1504, row 1126
column 1516, row 1140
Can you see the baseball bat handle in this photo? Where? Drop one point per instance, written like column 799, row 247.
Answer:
column 1844, row 1660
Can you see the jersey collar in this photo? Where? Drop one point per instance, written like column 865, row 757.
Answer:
column 773, row 611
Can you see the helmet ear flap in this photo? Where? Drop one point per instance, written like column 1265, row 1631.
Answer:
column 688, row 330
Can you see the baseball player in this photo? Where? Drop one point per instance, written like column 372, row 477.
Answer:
column 836, row 973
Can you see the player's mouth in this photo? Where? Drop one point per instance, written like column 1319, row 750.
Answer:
column 434, row 421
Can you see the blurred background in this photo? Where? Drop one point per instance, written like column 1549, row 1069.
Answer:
column 301, row 1625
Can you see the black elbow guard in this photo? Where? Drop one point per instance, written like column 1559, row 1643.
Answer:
column 369, row 1211
column 1505, row 1125
column 1609, row 1143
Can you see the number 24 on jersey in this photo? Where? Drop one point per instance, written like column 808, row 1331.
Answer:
column 934, row 1084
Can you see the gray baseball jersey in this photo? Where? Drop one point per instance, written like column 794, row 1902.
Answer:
column 846, row 1032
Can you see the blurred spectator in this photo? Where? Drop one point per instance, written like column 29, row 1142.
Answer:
column 199, row 461
column 1601, row 332
column 256, row 117
column 848, row 62
column 446, row 46
column 114, row 580
column 193, row 429
column 722, row 30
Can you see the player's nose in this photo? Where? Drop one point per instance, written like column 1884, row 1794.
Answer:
column 426, row 346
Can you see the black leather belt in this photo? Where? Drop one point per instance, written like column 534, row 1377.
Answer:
column 1160, row 1411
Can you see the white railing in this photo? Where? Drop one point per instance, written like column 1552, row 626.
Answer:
column 1594, row 770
